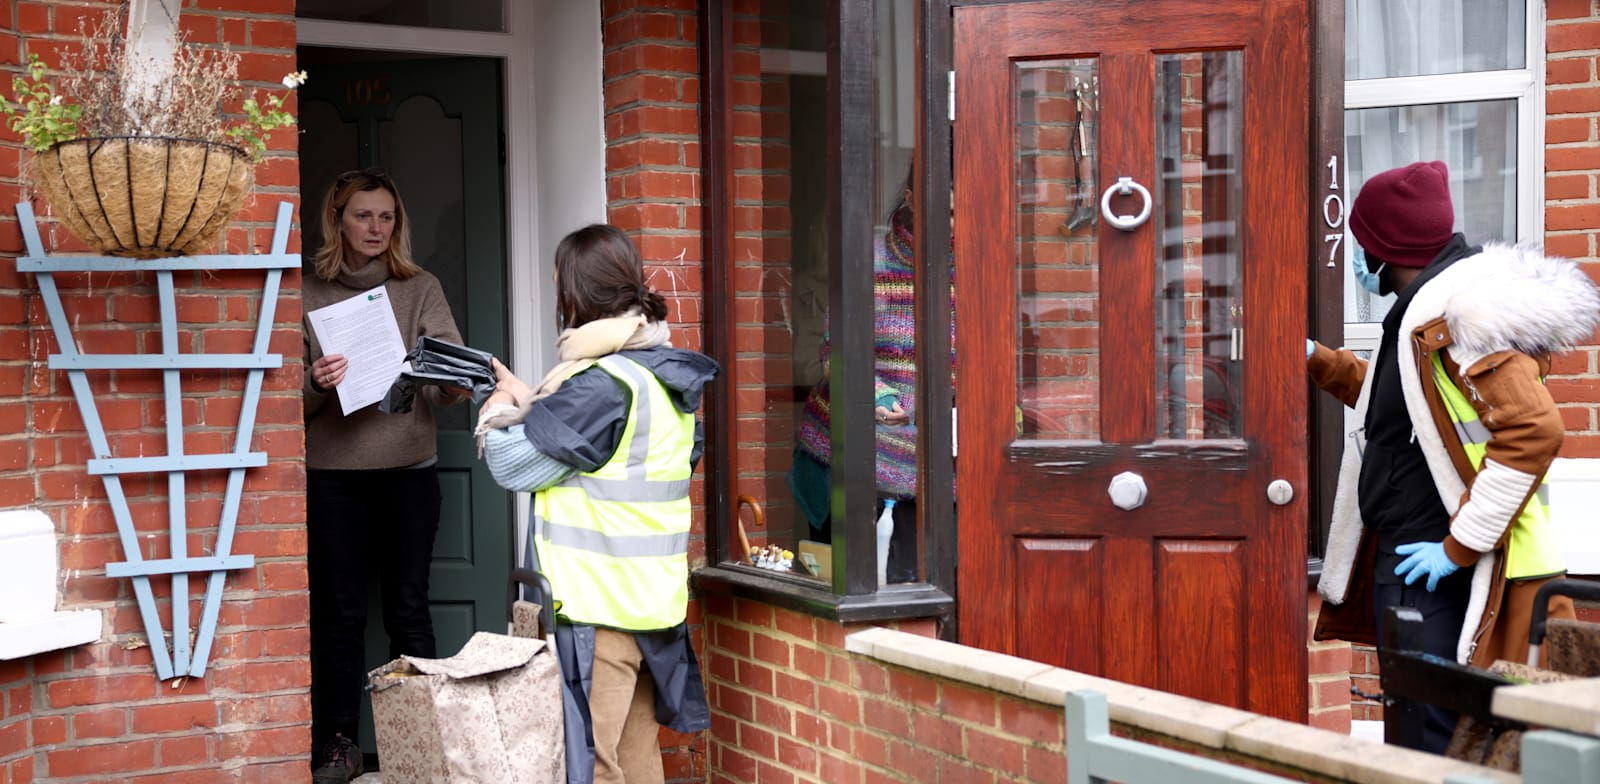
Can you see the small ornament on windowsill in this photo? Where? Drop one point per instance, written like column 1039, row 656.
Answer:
column 773, row 557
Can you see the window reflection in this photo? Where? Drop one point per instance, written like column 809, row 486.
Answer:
column 1477, row 142
column 1389, row 38
column 1199, row 285
column 779, row 264
column 1058, row 265
column 782, row 347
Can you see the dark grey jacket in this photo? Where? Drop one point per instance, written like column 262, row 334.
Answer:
column 582, row 422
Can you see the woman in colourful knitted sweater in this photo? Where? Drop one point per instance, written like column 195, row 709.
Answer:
column 895, row 401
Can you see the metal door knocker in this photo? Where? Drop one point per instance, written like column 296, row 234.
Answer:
column 1125, row 186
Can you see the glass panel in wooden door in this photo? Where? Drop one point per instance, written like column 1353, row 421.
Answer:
column 1199, row 288
column 1058, row 327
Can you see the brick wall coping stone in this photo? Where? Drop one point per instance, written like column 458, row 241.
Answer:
column 1201, row 723
column 1573, row 705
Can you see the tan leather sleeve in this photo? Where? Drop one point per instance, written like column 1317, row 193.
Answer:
column 1525, row 434
column 1338, row 372
column 1524, row 425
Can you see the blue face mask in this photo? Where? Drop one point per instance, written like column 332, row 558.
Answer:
column 1365, row 277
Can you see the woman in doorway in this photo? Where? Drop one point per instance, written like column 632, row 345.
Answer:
column 607, row 443
column 372, row 494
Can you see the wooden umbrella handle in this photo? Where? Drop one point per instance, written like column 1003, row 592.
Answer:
column 738, row 522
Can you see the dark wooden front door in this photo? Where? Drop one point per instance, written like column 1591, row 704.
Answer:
column 1158, row 363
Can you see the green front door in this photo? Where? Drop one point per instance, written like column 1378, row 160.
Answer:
column 435, row 125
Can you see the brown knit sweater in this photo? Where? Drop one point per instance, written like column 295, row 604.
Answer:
column 369, row 438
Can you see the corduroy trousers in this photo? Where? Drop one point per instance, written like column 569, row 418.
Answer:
column 622, row 707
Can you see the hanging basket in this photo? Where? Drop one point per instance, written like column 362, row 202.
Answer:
column 144, row 196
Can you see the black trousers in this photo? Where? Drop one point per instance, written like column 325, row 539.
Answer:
column 1443, row 611
column 358, row 521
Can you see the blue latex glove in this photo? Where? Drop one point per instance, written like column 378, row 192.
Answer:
column 1425, row 558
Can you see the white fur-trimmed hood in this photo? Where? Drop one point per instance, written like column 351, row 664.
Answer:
column 1518, row 298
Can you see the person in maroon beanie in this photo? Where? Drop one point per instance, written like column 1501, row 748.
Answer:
column 1438, row 504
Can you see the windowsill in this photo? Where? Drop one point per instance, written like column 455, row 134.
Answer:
column 912, row 600
column 53, row 632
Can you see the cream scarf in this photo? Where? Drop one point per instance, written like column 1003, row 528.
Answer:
column 593, row 340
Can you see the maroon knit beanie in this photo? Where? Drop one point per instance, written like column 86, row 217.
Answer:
column 1403, row 216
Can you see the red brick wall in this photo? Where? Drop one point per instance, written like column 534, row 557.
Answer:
column 652, row 123
column 95, row 711
column 790, row 705
column 1572, row 195
column 1329, row 666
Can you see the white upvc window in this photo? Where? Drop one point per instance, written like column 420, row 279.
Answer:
column 1459, row 81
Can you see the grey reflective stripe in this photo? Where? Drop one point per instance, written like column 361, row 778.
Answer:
column 1543, row 494
column 1472, row 432
column 616, row 546
column 639, row 449
column 629, row 489
column 535, row 531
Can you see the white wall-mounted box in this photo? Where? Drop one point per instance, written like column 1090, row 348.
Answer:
column 29, row 622
column 1574, row 485
column 27, row 565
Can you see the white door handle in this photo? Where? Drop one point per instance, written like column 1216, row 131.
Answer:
column 1127, row 490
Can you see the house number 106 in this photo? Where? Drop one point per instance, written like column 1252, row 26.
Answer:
column 1333, row 212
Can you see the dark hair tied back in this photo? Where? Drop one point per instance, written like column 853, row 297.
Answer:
column 599, row 275
column 652, row 305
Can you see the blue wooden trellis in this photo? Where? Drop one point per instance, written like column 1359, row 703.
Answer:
column 171, row 363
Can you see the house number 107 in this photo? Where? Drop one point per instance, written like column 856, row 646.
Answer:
column 1333, row 212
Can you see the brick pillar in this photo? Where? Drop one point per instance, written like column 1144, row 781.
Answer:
column 652, row 124
column 1572, row 196
column 1329, row 667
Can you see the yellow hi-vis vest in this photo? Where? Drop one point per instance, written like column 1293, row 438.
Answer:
column 1531, row 549
column 614, row 542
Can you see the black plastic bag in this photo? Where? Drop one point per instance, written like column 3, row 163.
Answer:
column 436, row 362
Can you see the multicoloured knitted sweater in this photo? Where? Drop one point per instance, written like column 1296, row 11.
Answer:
column 895, row 370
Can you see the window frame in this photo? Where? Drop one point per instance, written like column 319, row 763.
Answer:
column 854, row 595
column 1334, row 96
column 1524, row 85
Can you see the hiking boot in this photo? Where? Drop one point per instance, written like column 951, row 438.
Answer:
column 340, row 762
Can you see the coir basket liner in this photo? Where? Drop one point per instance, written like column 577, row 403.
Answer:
column 144, row 196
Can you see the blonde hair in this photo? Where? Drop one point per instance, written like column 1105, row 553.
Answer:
column 330, row 257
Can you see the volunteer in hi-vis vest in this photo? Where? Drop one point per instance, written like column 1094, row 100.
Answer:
column 607, row 443
column 1439, row 503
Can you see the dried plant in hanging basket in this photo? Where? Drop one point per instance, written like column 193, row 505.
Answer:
column 144, row 156
column 144, row 196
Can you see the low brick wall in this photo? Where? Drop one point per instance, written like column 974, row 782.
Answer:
column 802, row 699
